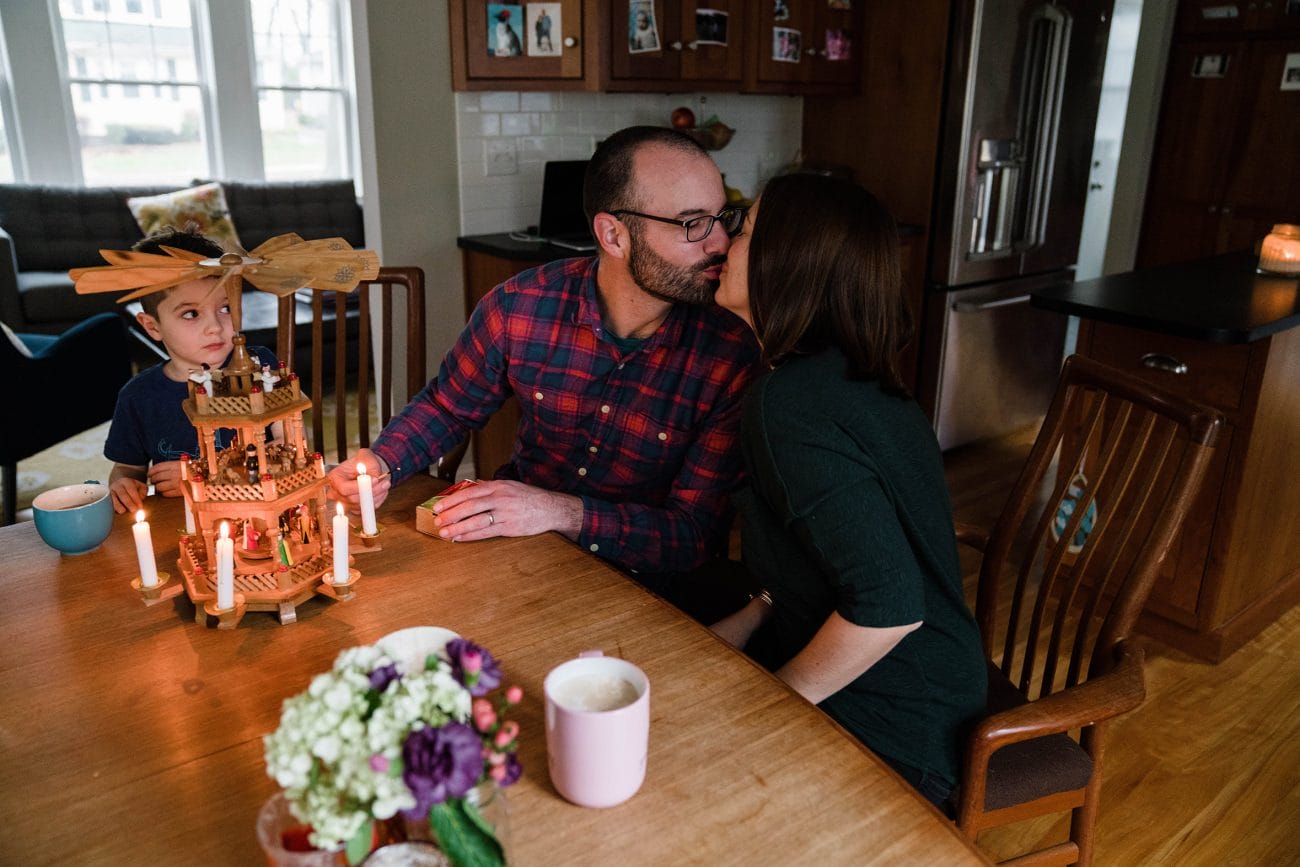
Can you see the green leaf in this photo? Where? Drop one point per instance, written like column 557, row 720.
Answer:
column 464, row 836
column 359, row 846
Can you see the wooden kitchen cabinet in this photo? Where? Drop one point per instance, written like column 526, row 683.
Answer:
column 1224, row 170
column 829, row 48
column 1235, row 566
column 473, row 67
column 682, row 62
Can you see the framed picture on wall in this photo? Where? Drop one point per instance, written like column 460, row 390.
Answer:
column 786, row 45
column 710, row 27
column 1291, row 72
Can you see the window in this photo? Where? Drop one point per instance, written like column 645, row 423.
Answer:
column 129, row 134
column 303, row 97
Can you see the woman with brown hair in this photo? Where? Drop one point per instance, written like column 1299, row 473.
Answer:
column 846, row 518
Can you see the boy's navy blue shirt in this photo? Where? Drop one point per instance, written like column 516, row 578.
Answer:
column 149, row 426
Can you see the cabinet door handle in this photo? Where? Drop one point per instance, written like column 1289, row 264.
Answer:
column 676, row 46
column 1167, row 363
column 570, row 42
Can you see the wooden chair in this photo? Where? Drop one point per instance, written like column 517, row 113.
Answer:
column 356, row 358
column 1079, row 544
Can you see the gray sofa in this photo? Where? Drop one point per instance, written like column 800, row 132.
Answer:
column 45, row 231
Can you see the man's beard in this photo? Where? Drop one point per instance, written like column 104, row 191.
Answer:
column 668, row 282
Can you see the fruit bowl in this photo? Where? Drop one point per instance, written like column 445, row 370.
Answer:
column 713, row 137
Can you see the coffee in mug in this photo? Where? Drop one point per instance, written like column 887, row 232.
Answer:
column 597, row 729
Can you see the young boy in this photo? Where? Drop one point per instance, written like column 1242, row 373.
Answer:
column 150, row 430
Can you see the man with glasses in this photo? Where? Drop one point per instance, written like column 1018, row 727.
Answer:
column 629, row 380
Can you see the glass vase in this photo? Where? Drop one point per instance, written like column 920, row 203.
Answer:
column 283, row 837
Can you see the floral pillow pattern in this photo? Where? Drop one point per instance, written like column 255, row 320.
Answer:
column 203, row 206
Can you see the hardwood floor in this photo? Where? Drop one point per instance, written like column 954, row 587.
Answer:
column 1207, row 770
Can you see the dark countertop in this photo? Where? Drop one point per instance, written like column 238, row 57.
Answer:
column 500, row 244
column 1221, row 300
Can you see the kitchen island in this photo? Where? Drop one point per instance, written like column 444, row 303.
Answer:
column 1220, row 333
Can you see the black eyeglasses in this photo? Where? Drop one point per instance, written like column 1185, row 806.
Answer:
column 698, row 228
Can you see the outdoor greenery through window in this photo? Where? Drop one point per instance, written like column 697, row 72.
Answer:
column 135, row 85
column 302, row 95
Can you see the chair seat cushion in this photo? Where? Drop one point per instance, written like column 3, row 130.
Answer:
column 1031, row 769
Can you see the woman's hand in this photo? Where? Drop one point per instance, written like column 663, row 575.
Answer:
column 736, row 629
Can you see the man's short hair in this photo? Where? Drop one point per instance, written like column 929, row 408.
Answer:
column 608, row 184
column 181, row 239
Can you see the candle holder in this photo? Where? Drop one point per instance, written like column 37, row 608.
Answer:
column 342, row 591
column 227, row 618
column 369, row 541
column 160, row 592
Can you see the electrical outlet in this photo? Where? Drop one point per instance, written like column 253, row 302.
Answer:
column 499, row 157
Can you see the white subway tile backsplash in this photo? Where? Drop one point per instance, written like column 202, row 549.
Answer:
column 550, row 126
column 499, row 101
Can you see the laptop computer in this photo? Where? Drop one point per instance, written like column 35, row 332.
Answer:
column 562, row 221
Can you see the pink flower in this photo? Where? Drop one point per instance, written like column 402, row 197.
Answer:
column 379, row 764
column 509, row 731
column 514, row 695
column 471, row 661
column 497, row 772
column 496, row 758
column 484, row 716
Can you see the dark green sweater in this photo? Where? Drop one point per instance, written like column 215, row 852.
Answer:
column 847, row 511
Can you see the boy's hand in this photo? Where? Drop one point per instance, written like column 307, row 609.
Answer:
column 343, row 479
column 166, row 478
column 127, row 494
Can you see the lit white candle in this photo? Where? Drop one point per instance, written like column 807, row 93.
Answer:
column 366, row 492
column 144, row 551
column 225, row 569
column 340, row 547
column 189, row 518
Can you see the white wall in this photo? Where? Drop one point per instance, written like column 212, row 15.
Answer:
column 553, row 126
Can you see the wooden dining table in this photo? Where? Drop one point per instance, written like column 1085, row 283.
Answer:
column 133, row 735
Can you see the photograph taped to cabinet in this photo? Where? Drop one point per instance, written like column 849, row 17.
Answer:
column 1210, row 66
column 710, row 26
column 545, row 24
column 1291, row 71
column 642, row 29
column 786, row 45
column 839, row 44
column 504, row 21
column 780, row 11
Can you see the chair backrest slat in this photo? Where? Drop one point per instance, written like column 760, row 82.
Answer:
column 356, row 370
column 1106, row 486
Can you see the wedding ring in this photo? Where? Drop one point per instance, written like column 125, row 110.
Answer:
column 491, row 519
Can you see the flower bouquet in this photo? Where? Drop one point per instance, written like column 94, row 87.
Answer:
column 370, row 741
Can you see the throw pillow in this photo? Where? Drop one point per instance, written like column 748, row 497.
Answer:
column 204, row 206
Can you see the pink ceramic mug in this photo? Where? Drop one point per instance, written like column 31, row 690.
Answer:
column 597, row 729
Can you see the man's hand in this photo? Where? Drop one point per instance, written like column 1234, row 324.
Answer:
column 166, row 478
column 506, row 509
column 343, row 479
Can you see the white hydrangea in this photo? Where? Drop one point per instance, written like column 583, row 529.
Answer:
column 322, row 753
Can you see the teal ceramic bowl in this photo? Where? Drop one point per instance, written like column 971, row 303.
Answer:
column 74, row 519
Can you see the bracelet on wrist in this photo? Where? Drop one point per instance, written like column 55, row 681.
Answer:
column 763, row 595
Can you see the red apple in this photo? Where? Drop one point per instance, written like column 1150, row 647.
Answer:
column 683, row 118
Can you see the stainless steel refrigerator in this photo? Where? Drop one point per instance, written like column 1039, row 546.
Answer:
column 1020, row 104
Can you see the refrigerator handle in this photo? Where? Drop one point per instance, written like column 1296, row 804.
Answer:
column 1041, row 94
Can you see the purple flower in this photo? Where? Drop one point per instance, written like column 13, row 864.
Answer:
column 514, row 770
column 488, row 676
column 381, row 677
column 440, row 763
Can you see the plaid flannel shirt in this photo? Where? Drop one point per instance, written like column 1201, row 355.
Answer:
column 646, row 438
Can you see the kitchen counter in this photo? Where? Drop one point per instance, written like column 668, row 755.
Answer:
column 1219, row 333
column 1222, row 299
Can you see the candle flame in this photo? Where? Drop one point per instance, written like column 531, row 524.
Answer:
column 225, row 530
column 139, row 516
column 340, row 508
column 361, row 469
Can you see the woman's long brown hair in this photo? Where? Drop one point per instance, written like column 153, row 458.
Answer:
column 824, row 271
